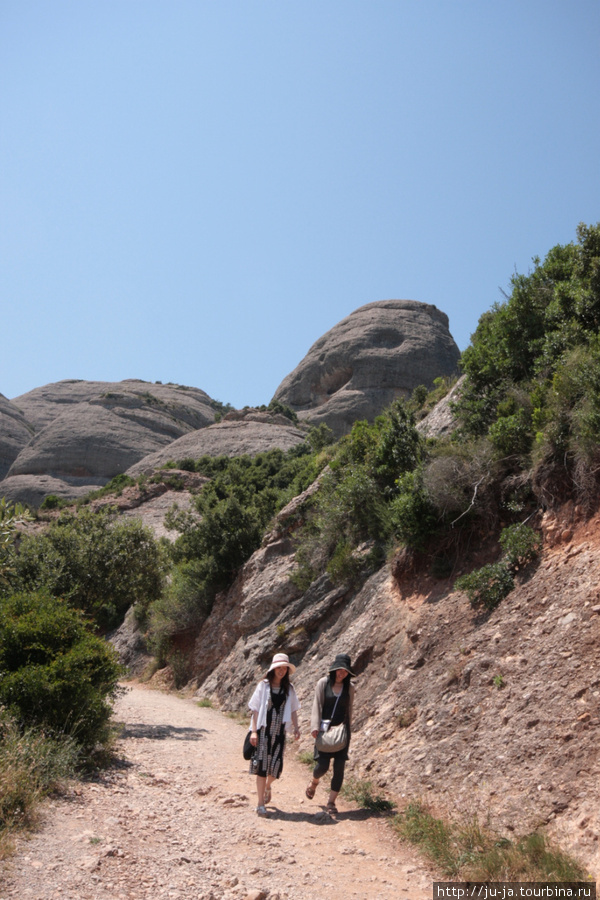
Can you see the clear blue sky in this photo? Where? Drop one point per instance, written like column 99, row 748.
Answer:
column 196, row 190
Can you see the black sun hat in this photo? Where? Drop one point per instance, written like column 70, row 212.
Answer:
column 342, row 661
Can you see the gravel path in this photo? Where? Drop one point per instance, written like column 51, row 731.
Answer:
column 176, row 819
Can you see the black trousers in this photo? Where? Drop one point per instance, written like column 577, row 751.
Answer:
column 339, row 764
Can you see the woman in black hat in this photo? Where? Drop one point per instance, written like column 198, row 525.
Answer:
column 332, row 705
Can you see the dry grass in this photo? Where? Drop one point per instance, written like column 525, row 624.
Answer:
column 32, row 765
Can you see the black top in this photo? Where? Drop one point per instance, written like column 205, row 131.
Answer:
column 329, row 703
column 277, row 698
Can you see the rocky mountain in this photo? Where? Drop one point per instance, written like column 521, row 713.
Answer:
column 487, row 714
column 382, row 351
column 82, row 433
column 15, row 433
column 74, row 436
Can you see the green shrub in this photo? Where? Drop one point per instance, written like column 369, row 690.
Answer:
column 50, row 501
column 512, row 435
column 114, row 486
column 468, row 851
column 398, row 448
column 320, row 436
column 344, row 565
column 181, row 608
column 487, row 586
column 180, row 667
column 521, row 544
column 99, row 565
column 55, row 673
column 11, row 516
column 413, row 517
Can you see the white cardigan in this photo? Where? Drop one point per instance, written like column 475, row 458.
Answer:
column 259, row 702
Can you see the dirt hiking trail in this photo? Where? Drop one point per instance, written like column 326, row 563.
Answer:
column 176, row 819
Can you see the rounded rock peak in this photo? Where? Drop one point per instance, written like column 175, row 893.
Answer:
column 381, row 351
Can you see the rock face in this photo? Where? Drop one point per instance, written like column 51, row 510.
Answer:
column 440, row 421
column 85, row 433
column 494, row 715
column 228, row 438
column 378, row 353
column 15, row 433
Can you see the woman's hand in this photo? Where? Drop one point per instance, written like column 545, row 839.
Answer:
column 297, row 733
column 254, row 738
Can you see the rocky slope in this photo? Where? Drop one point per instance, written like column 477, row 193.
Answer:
column 492, row 715
column 245, row 432
column 379, row 352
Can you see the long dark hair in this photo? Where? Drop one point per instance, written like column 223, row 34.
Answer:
column 284, row 684
column 345, row 682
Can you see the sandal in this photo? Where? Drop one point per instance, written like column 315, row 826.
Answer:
column 261, row 811
column 310, row 790
column 332, row 809
column 267, row 795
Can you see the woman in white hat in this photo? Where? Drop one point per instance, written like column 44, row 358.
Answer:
column 274, row 706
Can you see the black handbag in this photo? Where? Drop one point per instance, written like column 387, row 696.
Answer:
column 249, row 750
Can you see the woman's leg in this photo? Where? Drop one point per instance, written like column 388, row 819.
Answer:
column 261, row 783
column 269, row 781
column 321, row 767
column 337, row 780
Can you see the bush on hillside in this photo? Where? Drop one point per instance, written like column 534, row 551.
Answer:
column 533, row 366
column 100, row 565
column 491, row 583
column 220, row 533
column 11, row 516
column 363, row 500
column 55, row 673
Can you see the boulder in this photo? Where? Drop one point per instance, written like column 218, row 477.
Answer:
column 227, row 438
column 380, row 352
column 15, row 433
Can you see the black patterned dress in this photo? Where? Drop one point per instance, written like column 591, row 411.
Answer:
column 268, row 759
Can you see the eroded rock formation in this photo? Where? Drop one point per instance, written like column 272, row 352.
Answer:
column 85, row 433
column 234, row 437
column 378, row 353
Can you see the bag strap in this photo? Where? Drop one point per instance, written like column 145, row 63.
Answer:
column 336, row 703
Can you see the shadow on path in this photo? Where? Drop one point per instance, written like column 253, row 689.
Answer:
column 162, row 732
column 322, row 817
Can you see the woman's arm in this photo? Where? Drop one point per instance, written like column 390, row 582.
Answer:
column 253, row 731
column 255, row 704
column 295, row 723
column 317, row 707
